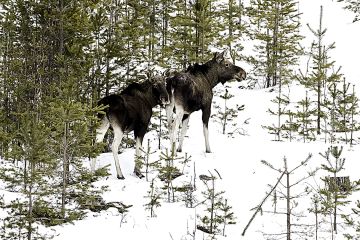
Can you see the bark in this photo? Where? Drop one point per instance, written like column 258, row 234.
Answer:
column 320, row 76
column 288, row 209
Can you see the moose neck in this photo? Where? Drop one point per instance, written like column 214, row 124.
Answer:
column 150, row 96
column 211, row 74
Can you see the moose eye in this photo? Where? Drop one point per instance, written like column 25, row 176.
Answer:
column 226, row 64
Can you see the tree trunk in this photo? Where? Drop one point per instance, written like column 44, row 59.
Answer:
column 320, row 77
column 274, row 65
column 316, row 221
column 212, row 205
column 30, row 201
column 65, row 175
column 288, row 209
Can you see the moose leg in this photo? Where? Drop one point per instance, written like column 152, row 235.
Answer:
column 175, row 126
column 185, row 122
column 139, row 136
column 100, row 133
column 205, row 118
column 118, row 135
column 169, row 113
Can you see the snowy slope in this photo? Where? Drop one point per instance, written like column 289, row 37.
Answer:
column 244, row 180
column 238, row 159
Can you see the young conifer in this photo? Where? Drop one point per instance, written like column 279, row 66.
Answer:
column 305, row 119
column 168, row 171
column 319, row 78
column 154, row 196
column 218, row 212
column 346, row 106
column 336, row 192
column 276, row 31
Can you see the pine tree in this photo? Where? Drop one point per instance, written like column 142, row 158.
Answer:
column 353, row 222
column 168, row 172
column 227, row 215
column 290, row 125
column 276, row 32
column 331, row 105
column 277, row 50
column 353, row 6
column 354, row 105
column 345, row 109
column 146, row 161
column 154, row 196
column 233, row 27
column 158, row 124
column 316, row 210
column 226, row 114
column 108, row 48
column 319, row 78
column 72, row 130
column 7, row 81
column 304, row 118
column 213, row 200
column 28, row 161
column 281, row 101
column 334, row 195
column 31, row 176
column 218, row 213
column 289, row 195
column 50, row 59
column 194, row 30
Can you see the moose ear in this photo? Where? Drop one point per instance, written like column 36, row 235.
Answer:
column 219, row 56
column 149, row 74
column 156, row 79
column 169, row 73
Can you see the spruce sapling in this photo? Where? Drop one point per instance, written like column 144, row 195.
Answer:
column 145, row 160
column 217, row 208
column 154, row 196
column 227, row 113
column 282, row 101
column 353, row 221
column 334, row 195
column 304, row 119
column 168, row 172
column 354, row 125
column 346, row 107
column 227, row 215
column 316, row 210
column 188, row 191
column 185, row 161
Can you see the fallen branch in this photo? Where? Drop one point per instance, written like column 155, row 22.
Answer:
column 258, row 208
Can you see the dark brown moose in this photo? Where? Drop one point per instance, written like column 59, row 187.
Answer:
column 191, row 91
column 131, row 110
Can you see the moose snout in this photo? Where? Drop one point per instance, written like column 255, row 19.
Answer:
column 164, row 101
column 241, row 75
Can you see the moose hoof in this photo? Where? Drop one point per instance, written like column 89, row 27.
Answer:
column 179, row 150
column 138, row 174
column 208, row 151
column 120, row 177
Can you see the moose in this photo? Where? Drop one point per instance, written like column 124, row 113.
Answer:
column 128, row 111
column 191, row 91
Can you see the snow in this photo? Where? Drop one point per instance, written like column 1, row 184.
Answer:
column 244, row 179
column 238, row 160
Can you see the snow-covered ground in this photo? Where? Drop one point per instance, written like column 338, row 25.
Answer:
column 238, row 160
column 244, row 179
